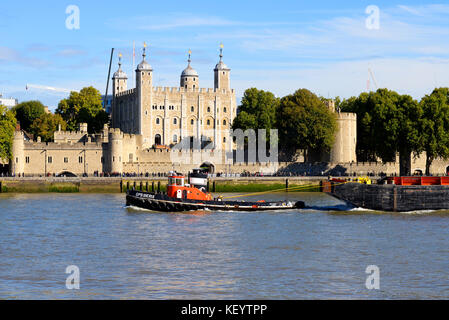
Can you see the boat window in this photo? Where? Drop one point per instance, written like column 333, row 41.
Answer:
column 179, row 182
column 171, row 181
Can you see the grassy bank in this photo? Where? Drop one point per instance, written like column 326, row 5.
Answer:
column 117, row 186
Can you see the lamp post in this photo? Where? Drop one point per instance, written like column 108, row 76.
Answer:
column 85, row 164
column 45, row 162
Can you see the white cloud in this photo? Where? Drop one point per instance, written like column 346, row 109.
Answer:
column 10, row 55
column 171, row 21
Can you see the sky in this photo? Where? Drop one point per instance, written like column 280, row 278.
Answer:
column 281, row 46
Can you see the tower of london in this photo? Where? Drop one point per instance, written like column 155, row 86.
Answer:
column 151, row 125
column 165, row 116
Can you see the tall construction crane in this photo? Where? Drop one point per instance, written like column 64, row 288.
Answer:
column 371, row 74
column 48, row 88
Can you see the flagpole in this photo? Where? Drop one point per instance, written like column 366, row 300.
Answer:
column 134, row 63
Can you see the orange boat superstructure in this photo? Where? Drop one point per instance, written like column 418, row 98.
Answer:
column 195, row 189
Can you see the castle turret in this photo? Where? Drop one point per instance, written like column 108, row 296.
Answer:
column 18, row 154
column 345, row 143
column 115, row 151
column 189, row 77
column 120, row 79
column 222, row 74
column 144, row 90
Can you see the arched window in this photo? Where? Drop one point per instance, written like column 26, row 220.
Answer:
column 224, row 110
column 175, row 139
column 224, row 140
column 192, row 122
column 208, row 109
column 158, row 121
column 192, row 109
column 175, row 121
column 208, row 122
column 224, row 122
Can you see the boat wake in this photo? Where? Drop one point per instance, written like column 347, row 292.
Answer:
column 340, row 207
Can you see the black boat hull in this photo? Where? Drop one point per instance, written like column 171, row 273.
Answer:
column 388, row 197
column 161, row 202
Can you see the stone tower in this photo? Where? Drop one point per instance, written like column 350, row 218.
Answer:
column 344, row 147
column 120, row 79
column 115, row 151
column 222, row 74
column 345, row 143
column 144, row 93
column 189, row 77
column 18, row 158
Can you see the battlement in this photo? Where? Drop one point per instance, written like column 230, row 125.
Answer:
column 184, row 90
column 346, row 116
column 115, row 131
column 129, row 136
column 70, row 133
column 118, row 134
column 126, row 93
column 33, row 145
column 18, row 134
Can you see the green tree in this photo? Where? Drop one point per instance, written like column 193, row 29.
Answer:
column 84, row 106
column 305, row 122
column 27, row 112
column 46, row 125
column 435, row 125
column 387, row 124
column 257, row 111
column 7, row 126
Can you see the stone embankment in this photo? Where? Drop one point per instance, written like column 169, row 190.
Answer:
column 117, row 185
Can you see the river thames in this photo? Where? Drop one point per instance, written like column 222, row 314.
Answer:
column 124, row 253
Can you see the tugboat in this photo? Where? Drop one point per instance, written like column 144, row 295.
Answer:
column 193, row 196
column 397, row 194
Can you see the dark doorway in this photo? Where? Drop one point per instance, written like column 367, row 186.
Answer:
column 209, row 167
column 4, row 169
column 67, row 174
column 158, row 140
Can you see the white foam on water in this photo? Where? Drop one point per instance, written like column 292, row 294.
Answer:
column 138, row 209
column 361, row 209
column 418, row 212
column 414, row 212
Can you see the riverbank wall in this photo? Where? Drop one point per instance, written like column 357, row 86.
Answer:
column 117, row 185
